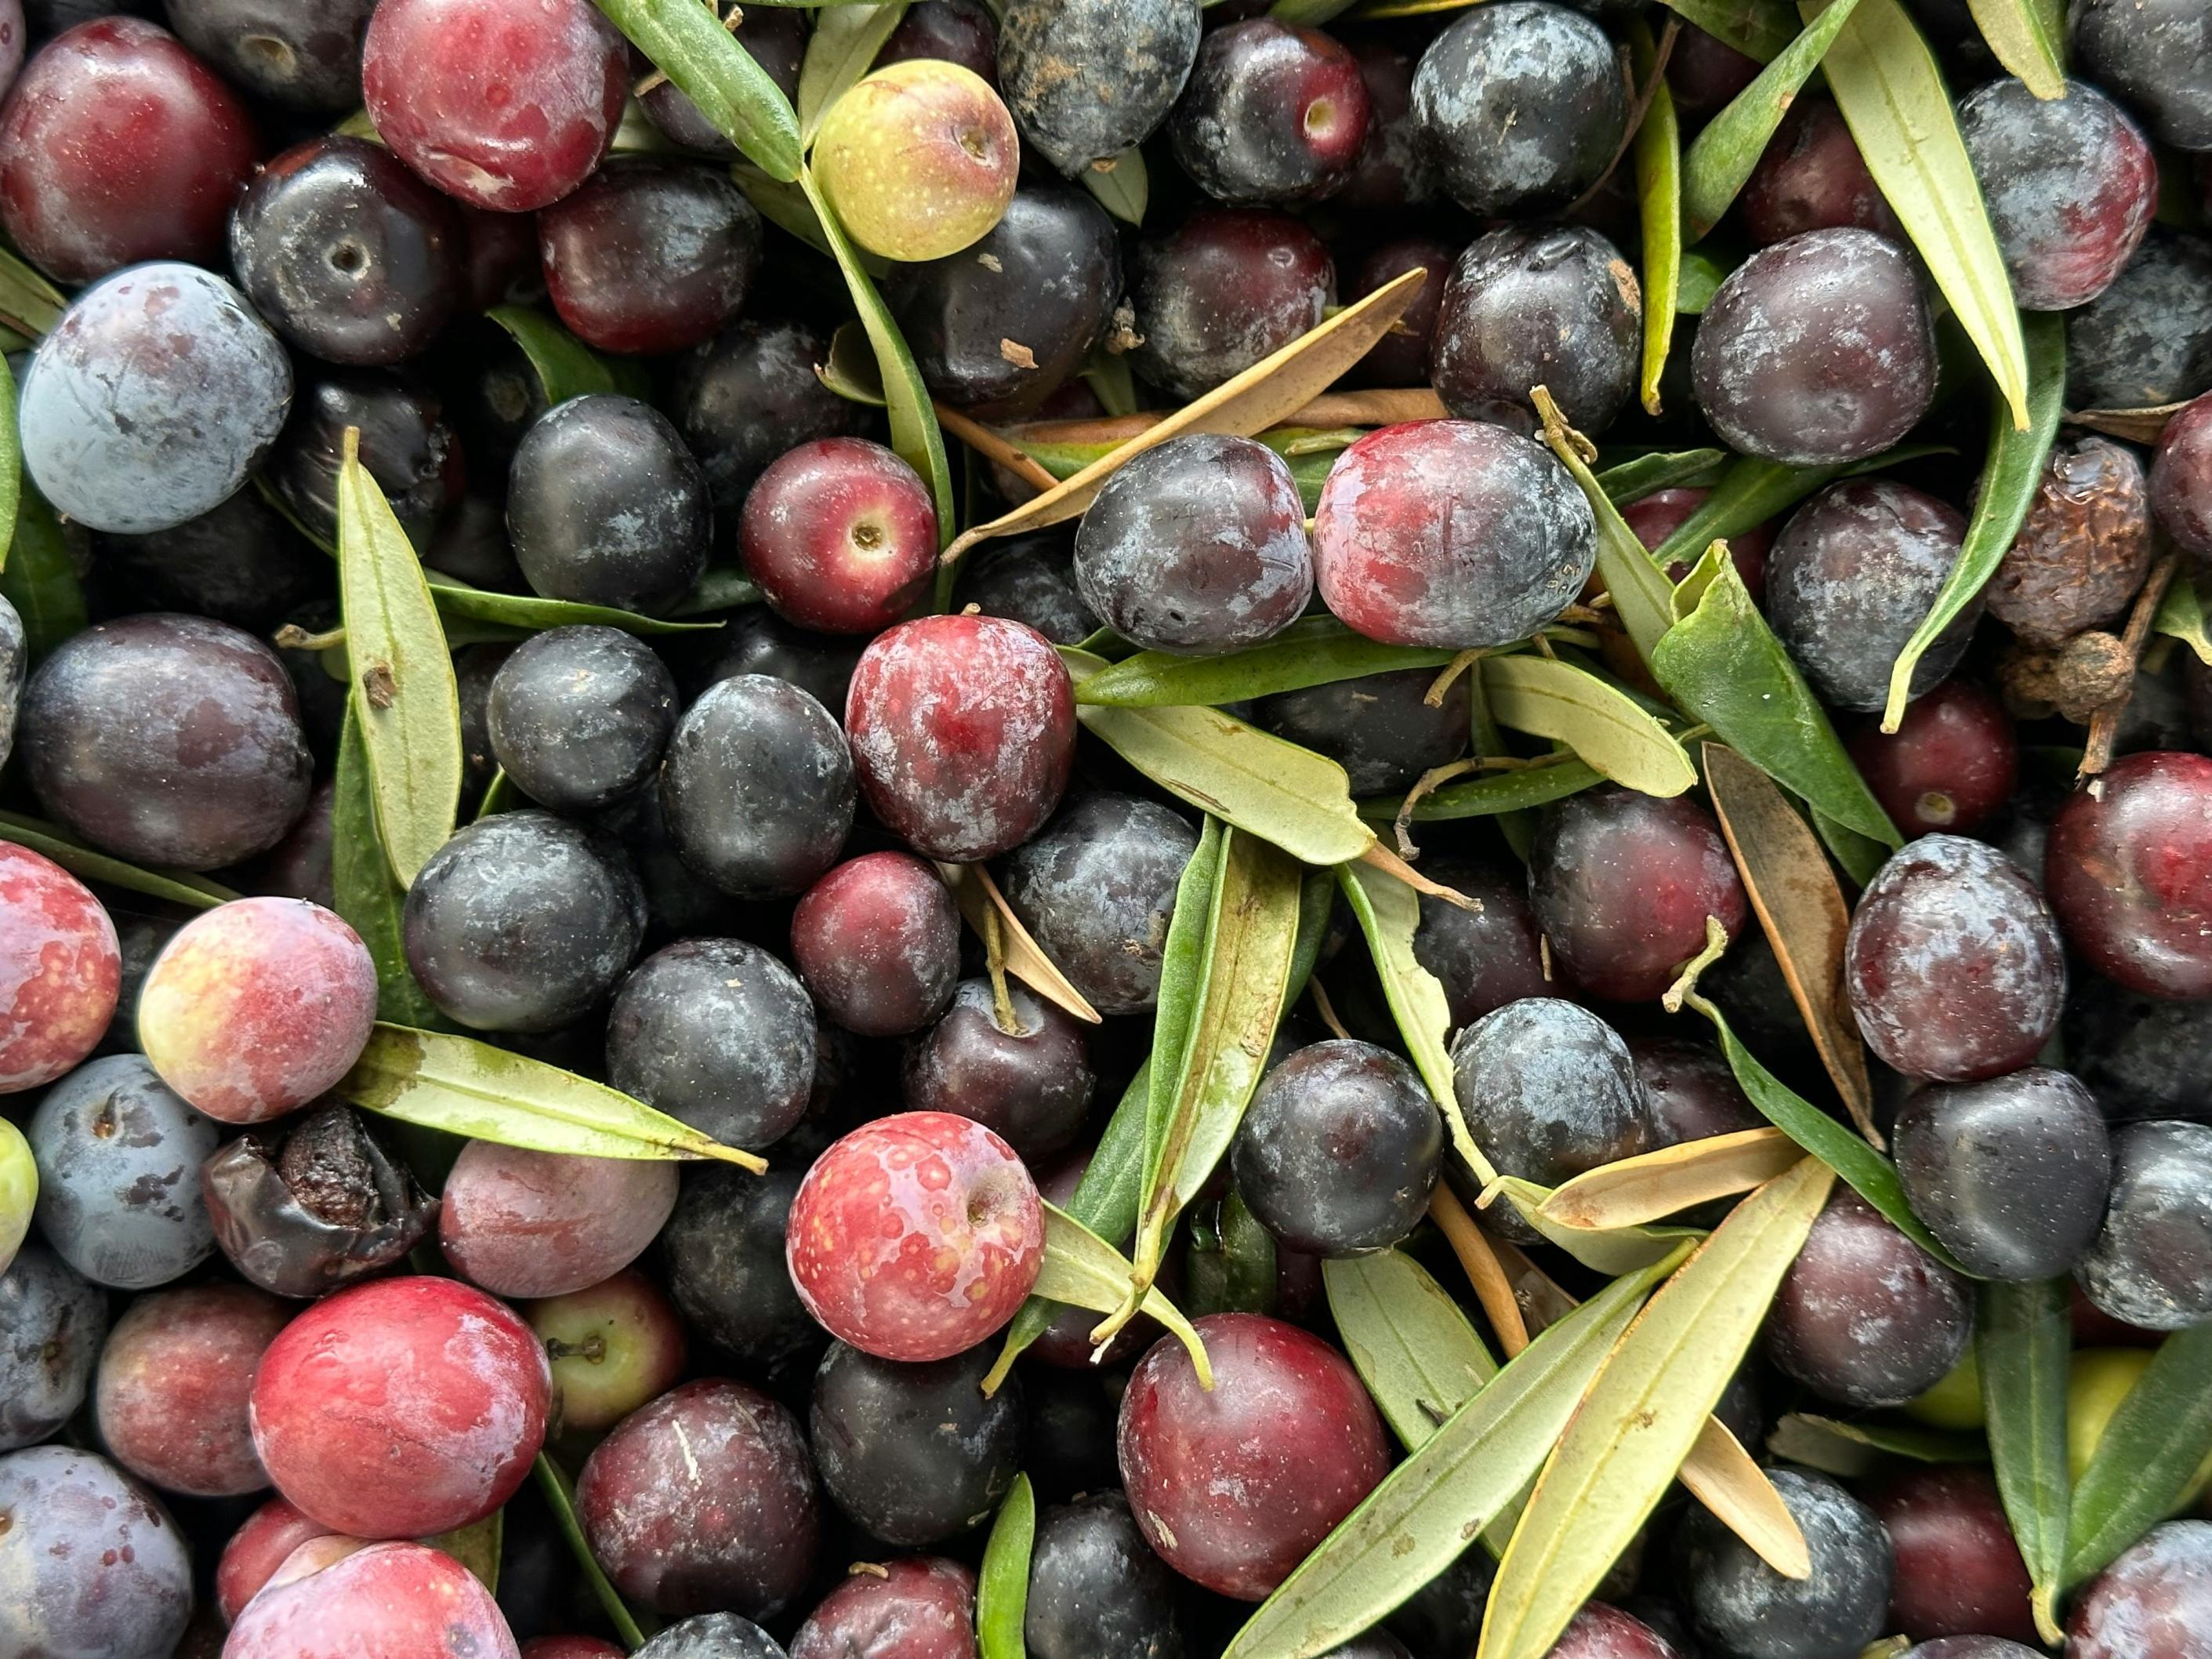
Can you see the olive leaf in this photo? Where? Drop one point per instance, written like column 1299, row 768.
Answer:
column 1267, row 394
column 363, row 889
column 1802, row 911
column 1605, row 728
column 2181, row 615
column 455, row 598
column 566, row 368
column 785, row 204
column 1312, row 13
column 500, row 795
column 1704, row 270
column 561, row 1498
column 465, row 1087
column 11, row 461
column 1121, row 184
column 1657, row 155
column 1632, row 480
column 1723, row 155
column 914, row 432
column 1510, row 791
column 2138, row 426
column 1229, row 1259
column 39, row 579
column 2028, row 37
column 686, row 41
column 1407, row 1338
column 1751, row 491
column 1860, row 856
column 1608, row 1250
column 1855, row 1449
column 850, row 370
column 1643, row 598
column 1643, row 1412
column 1002, row 1584
column 2010, row 478
column 1891, row 95
column 51, row 841
column 1653, row 1185
column 1723, row 665
column 1083, row 1270
column 1313, row 651
column 724, row 587
column 1431, row 1507
column 2151, row 1450
column 1183, row 964
column 980, row 902
column 1722, row 1476
column 402, row 689
column 1757, row 28
column 476, row 1547
column 29, row 304
column 841, row 50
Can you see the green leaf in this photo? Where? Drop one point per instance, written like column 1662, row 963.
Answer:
column 841, row 49
column 1409, row 1341
column 51, row 841
column 403, row 689
column 724, row 587
column 11, row 461
column 1486, row 797
column 1229, row 1260
column 1083, row 1270
column 1860, row 856
column 1550, row 698
column 1722, row 665
column 1658, row 160
column 566, row 368
column 914, row 433
column 1632, row 481
column 365, row 891
column 2023, row 1334
column 1704, row 271
column 1855, row 1449
column 850, row 371
column 686, row 41
column 1643, row 598
column 1431, row 1507
column 1002, row 1587
column 500, row 795
column 1753, row 491
column 1869, row 1173
column 2150, row 1452
column 1123, row 189
column 784, row 204
column 1389, row 915
column 1315, row 651
column 2028, row 37
column 29, row 304
column 1182, row 965
column 1312, row 13
column 1643, row 1413
column 561, row 1498
column 2009, row 479
column 39, row 579
column 2181, row 615
column 469, row 1088
column 1893, row 97
column 1758, row 28
column 476, row 1547
column 455, row 598
column 1722, row 158
column 1297, row 799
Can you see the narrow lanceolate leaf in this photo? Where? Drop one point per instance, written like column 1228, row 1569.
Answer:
column 1297, row 799
column 1315, row 651
column 1802, row 911
column 1486, row 797
column 1123, row 188
column 2151, row 1450
column 561, row 1498
column 1267, row 394
column 686, row 41
column 476, row 1547
column 1251, row 937
column 1408, row 1340
column 2007, row 490
column 1722, row 1476
column 1002, row 1588
column 1757, row 28
column 981, row 903
column 1658, row 159
column 1083, row 1270
column 1432, row 1507
column 29, row 304
column 1182, row 964
column 1657, row 1184
column 51, row 841
column 1643, row 598
column 2028, row 37
column 454, row 597
column 2140, row 426
column 1855, row 1449
column 469, row 1088
column 842, row 48
column 1643, row 1414
column 914, row 432
column 1893, row 97
column 1704, row 270
column 1632, row 480
column 39, row 579
column 566, row 368
column 500, row 795
column 2182, row 616
column 1312, row 13
column 11, row 461
column 1604, row 727
column 1608, row 1250
column 1725, row 152
column 364, row 889
column 1866, row 1172
column 1389, row 914
column 1721, row 664
column 402, row 689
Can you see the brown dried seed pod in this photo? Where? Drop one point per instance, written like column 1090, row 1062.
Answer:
column 2085, row 549
column 2087, row 673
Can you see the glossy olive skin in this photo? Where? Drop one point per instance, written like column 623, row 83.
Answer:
column 2151, row 1265
column 1529, row 306
column 723, row 1253
column 2156, row 57
column 1812, row 176
column 1028, row 579
column 718, row 1033
column 774, row 39
column 1952, row 763
column 1030, row 1085
column 2128, row 870
column 304, row 54
column 1096, row 1590
column 578, row 717
column 1743, row 1606
column 407, row 444
column 1271, row 112
column 1864, row 1316
column 753, row 739
column 649, row 254
column 1959, row 1573
column 914, row 1453
column 606, row 507
column 1097, row 891
column 751, row 393
column 2141, row 1057
column 1224, row 290
column 1483, row 958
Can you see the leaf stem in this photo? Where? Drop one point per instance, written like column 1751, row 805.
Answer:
column 1483, row 1269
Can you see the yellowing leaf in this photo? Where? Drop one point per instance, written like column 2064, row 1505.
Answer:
column 978, row 897
column 1408, row 1340
column 2028, row 37
column 1083, row 1270
column 1654, row 1185
column 1603, row 725
column 1721, row 1475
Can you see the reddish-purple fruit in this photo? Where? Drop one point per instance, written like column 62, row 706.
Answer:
column 614, row 1345
column 506, row 106
column 256, row 1007
column 701, row 1501
column 1392, row 170
column 401, row 1408
column 118, row 145
column 1029, row 1081
column 962, row 731
column 61, row 970
column 95, row 1567
column 1812, row 176
column 412, row 1602
column 263, row 1540
column 1622, row 884
column 915, row 1236
column 878, row 942
column 174, row 1379
column 525, row 1224
column 1234, row 1487
column 2128, row 871
column 1959, row 1573
column 1693, row 1094
column 1401, row 357
column 1271, row 112
column 1225, row 288
column 2181, row 478
column 842, row 536
column 919, row 1608
column 2154, row 1602
column 1951, row 764
column 1656, row 517
column 1483, row 958
column 649, row 255
column 1601, row 1632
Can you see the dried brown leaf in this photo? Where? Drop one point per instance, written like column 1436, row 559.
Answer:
column 1636, row 1190
column 979, row 898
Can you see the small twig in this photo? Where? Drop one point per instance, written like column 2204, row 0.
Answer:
column 1326, row 1009
column 995, row 956
column 1390, row 864
column 2105, row 724
column 1401, row 826
column 1716, row 940
column 293, row 637
column 989, row 445
column 1440, row 688
column 1483, row 1270
column 651, row 82
column 1639, row 105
